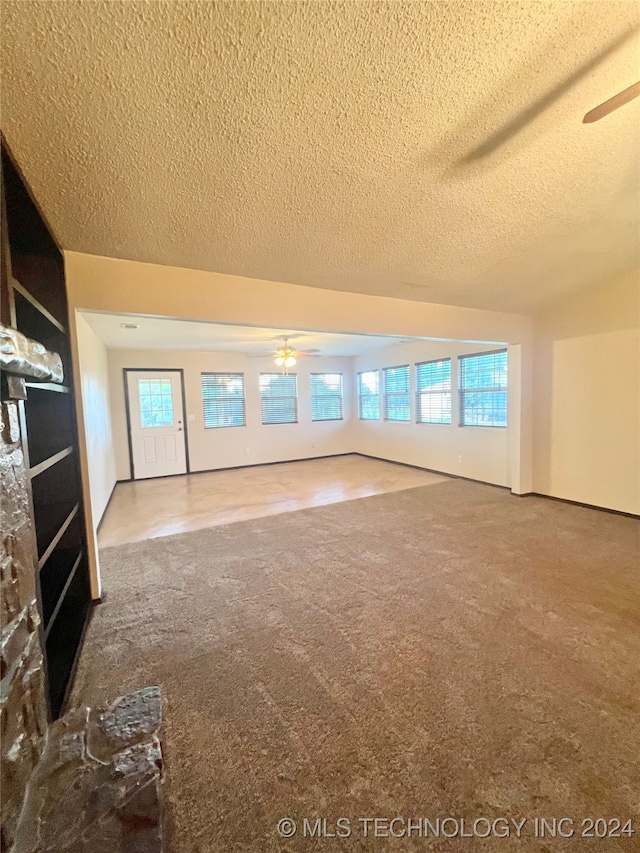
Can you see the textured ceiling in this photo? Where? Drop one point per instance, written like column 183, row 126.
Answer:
column 164, row 334
column 430, row 151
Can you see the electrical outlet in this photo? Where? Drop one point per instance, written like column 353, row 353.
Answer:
column 460, row 458
column 246, row 450
column 191, row 417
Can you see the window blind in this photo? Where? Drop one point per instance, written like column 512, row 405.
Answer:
column 397, row 405
column 326, row 396
column 369, row 395
column 223, row 400
column 483, row 389
column 433, row 392
column 279, row 396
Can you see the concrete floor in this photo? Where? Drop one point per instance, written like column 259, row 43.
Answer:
column 145, row 509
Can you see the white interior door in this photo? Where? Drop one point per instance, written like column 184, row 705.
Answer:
column 156, row 423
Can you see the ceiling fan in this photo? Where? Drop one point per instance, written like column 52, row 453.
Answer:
column 612, row 104
column 286, row 356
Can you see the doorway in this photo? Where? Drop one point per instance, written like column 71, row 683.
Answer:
column 156, row 423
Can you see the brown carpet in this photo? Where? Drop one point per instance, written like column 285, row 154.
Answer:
column 446, row 651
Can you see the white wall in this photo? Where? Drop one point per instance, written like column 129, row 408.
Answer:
column 564, row 447
column 484, row 450
column 227, row 447
column 577, row 454
column 108, row 284
column 96, row 407
column 586, row 421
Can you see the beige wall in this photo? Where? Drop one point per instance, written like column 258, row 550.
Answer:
column 105, row 284
column 231, row 447
column 96, row 409
column 484, row 451
column 586, row 393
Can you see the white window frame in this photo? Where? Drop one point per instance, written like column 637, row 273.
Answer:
column 293, row 397
column 428, row 392
column 386, row 394
column 338, row 395
column 222, row 400
column 494, row 389
column 362, row 396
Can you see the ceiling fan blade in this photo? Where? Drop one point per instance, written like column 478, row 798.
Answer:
column 277, row 339
column 612, row 104
column 298, row 354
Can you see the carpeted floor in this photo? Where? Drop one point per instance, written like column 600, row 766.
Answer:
column 446, row 651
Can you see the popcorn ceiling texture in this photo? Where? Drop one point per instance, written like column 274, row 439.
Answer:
column 340, row 145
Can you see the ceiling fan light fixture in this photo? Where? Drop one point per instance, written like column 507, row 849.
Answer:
column 285, row 357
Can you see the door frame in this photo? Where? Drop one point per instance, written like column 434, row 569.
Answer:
column 180, row 370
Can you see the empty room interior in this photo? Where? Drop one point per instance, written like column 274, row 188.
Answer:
column 320, row 426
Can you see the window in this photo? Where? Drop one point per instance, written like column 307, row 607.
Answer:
column 397, row 405
column 326, row 396
column 156, row 403
column 279, row 394
column 369, row 395
column 433, row 392
column 483, row 389
column 223, row 400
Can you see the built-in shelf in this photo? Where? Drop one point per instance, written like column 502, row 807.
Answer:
column 47, row 463
column 36, row 323
column 51, row 618
column 56, row 570
column 58, row 536
column 50, row 420
column 35, row 300
column 55, row 495
column 36, row 304
column 63, row 641
column 49, row 386
column 42, row 278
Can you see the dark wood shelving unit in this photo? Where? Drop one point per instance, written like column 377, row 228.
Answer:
column 34, row 298
column 49, row 386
